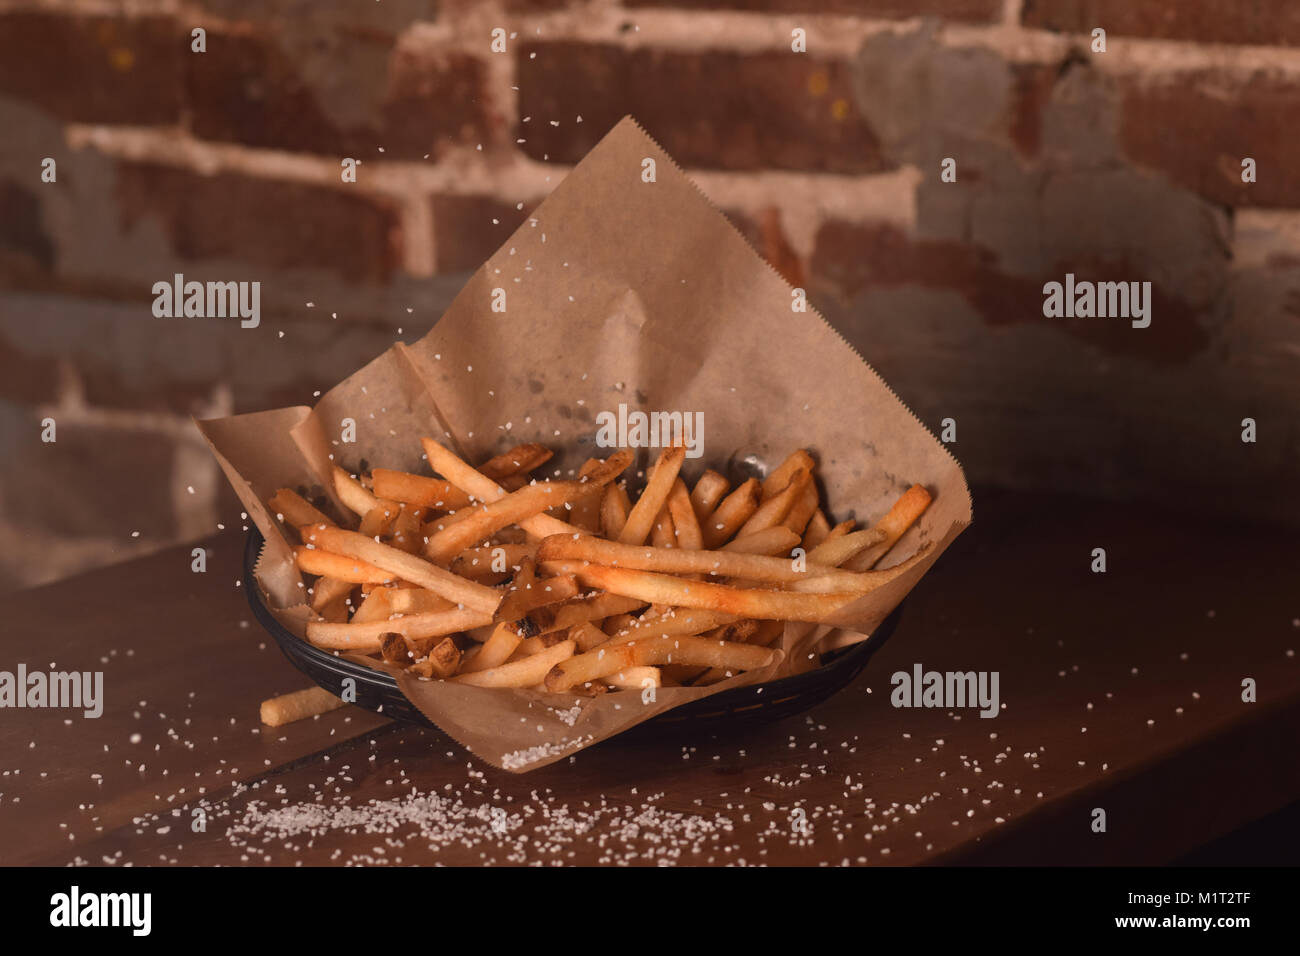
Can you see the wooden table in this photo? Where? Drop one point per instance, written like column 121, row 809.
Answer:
column 1122, row 691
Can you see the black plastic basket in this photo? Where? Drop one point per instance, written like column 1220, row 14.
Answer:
column 737, row 708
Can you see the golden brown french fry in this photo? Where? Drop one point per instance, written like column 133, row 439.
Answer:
column 584, row 513
column 523, row 673
column 636, row 678
column 772, row 541
column 443, row 661
column 515, row 508
column 593, row 608
column 496, row 558
column 706, row 494
column 377, row 606
column 408, row 566
column 365, row 637
column 663, row 534
column 614, row 509
column 468, row 479
column 293, row 509
column 521, row 602
column 393, row 649
column 780, row 477
column 342, row 567
column 408, row 534
column 496, row 650
column 666, row 589
column 815, row 533
column 685, row 524
column 895, row 522
column 515, row 461
column 336, row 611
column 843, row 528
column 674, row 649
column 834, row 552
column 299, row 705
column 773, row 511
column 379, row 519
column 678, row 621
column 417, row 490
column 416, row 601
column 733, row 564
column 648, row 506
column 326, row 589
column 352, row 493
column 731, row 513
column 802, row 510
column 586, row 636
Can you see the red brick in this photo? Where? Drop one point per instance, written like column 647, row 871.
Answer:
column 92, row 481
column 250, row 88
column 94, row 69
column 713, row 109
column 264, row 223
column 850, row 258
column 468, row 229
column 965, row 10
column 1197, row 127
column 1270, row 22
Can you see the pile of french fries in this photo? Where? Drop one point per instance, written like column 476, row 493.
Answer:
column 490, row 577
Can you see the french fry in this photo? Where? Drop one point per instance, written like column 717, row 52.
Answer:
column 663, row 534
column 652, row 499
column 299, row 705
column 802, row 510
column 773, row 511
column 521, row 602
column 465, row 477
column 379, row 519
column 844, row 527
column 586, row 636
column 365, row 638
column 733, row 511
column 515, row 508
column 377, row 606
column 678, row 621
column 815, row 533
column 732, row 564
column 516, row 461
column 686, row 525
column 408, row 535
column 496, row 650
column 351, row 492
column 770, row 541
column 895, row 522
column 340, row 566
column 674, row 649
column 706, row 494
column 408, row 566
column 593, row 608
column 584, row 513
column 835, row 551
column 442, row 661
column 416, row 601
column 666, row 589
column 523, row 673
column 780, row 477
column 327, row 589
column 614, row 509
column 636, row 678
column 293, row 509
column 418, row 491
column 394, row 650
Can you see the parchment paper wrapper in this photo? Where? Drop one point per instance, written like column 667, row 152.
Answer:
column 616, row 291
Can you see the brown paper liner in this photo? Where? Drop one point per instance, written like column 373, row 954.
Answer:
column 616, row 291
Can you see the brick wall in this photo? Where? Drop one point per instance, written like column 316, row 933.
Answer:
column 225, row 164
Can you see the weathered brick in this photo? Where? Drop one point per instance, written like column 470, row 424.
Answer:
column 1271, row 22
column 716, row 109
column 348, row 93
column 94, row 69
column 263, row 222
column 94, row 480
column 850, row 258
column 964, row 10
column 468, row 229
column 1198, row 127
